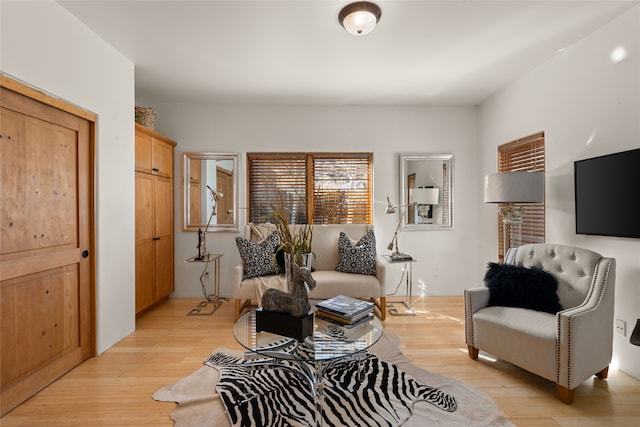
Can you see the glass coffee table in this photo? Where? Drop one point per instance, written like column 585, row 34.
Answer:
column 310, row 358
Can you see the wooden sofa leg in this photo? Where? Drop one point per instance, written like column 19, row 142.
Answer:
column 383, row 308
column 240, row 306
column 473, row 352
column 603, row 374
column 565, row 395
column 236, row 311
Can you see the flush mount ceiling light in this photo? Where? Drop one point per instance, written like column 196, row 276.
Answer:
column 359, row 18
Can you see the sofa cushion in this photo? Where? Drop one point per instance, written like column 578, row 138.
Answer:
column 517, row 286
column 330, row 283
column 258, row 256
column 358, row 258
column 524, row 337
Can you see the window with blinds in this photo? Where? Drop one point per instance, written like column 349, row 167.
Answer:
column 524, row 155
column 317, row 188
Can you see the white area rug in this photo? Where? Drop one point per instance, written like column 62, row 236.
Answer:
column 199, row 403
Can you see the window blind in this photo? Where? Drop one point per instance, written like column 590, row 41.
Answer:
column 523, row 155
column 272, row 177
column 319, row 188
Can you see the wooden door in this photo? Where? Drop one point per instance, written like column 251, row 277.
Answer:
column 195, row 195
column 46, row 243
column 224, row 180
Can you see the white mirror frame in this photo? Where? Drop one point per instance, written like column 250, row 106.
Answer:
column 187, row 225
column 409, row 164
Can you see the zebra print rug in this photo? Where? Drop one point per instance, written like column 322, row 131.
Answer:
column 200, row 404
column 368, row 392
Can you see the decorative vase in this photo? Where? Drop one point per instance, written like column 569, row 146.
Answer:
column 301, row 260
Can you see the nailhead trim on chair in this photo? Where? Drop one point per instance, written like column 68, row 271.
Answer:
column 569, row 323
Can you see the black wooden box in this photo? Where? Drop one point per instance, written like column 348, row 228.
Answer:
column 284, row 324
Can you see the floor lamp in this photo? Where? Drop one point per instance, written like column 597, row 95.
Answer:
column 508, row 188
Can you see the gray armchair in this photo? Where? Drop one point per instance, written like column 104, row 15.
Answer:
column 568, row 347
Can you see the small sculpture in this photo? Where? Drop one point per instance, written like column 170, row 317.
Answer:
column 295, row 303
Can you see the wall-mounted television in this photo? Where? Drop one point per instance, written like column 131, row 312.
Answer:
column 607, row 194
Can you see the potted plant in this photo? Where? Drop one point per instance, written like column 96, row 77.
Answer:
column 295, row 242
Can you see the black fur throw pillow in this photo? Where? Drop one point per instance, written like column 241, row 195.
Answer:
column 517, row 286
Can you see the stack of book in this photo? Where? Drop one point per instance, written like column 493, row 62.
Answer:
column 345, row 311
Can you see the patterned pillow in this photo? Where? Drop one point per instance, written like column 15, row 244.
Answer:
column 358, row 258
column 258, row 257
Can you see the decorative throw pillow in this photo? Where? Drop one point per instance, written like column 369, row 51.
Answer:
column 258, row 257
column 358, row 258
column 261, row 231
column 518, row 286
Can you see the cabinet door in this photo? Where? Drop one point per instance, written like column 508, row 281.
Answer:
column 163, row 221
column 144, row 149
column 162, row 158
column 144, row 233
column 164, row 267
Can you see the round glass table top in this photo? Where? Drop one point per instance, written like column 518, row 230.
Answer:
column 328, row 341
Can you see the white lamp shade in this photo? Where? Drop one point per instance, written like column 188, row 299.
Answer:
column 424, row 196
column 514, row 187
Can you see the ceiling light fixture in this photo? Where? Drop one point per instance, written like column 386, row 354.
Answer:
column 359, row 18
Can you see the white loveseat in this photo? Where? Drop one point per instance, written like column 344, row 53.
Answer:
column 329, row 282
column 567, row 347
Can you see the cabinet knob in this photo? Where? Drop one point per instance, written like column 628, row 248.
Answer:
column 156, row 238
column 155, row 169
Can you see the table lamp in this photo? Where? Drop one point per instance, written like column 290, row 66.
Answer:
column 202, row 234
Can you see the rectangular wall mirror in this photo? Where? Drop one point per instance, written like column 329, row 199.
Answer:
column 426, row 188
column 202, row 175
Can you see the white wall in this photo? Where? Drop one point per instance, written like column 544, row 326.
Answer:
column 386, row 131
column 49, row 49
column 587, row 105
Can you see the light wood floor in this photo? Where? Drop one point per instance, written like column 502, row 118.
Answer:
column 116, row 387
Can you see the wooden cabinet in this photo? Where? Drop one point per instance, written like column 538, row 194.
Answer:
column 154, row 217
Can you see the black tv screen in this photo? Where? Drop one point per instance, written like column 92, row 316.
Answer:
column 608, row 195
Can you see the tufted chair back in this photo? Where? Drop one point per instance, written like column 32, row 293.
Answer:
column 572, row 267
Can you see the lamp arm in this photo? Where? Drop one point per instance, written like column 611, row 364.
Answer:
column 394, row 241
column 202, row 245
column 404, row 210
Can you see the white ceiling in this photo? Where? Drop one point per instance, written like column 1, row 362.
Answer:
column 295, row 52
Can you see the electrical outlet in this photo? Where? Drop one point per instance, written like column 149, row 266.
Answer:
column 621, row 327
column 436, row 273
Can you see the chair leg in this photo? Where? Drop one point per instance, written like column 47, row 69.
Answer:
column 383, row 308
column 604, row 373
column 565, row 395
column 473, row 352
